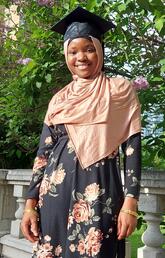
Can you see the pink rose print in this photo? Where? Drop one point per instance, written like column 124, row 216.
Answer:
column 44, row 188
column 58, row 250
column 45, row 249
column 47, row 238
column 129, row 151
column 45, row 185
column 39, row 162
column 81, row 211
column 57, row 176
column 93, row 241
column 48, row 140
column 81, row 247
column 72, row 248
column 92, row 192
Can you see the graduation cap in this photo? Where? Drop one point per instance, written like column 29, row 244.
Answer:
column 82, row 23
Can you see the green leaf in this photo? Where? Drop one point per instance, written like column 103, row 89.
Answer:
column 157, row 79
column 28, row 68
column 122, row 7
column 38, row 85
column 25, row 80
column 91, row 4
column 18, row 153
column 48, row 78
column 45, row 65
column 162, row 61
column 30, row 100
column 162, row 69
column 159, row 23
column 144, row 4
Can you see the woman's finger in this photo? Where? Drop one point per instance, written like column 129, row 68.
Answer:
column 123, row 232
column 29, row 227
column 34, row 226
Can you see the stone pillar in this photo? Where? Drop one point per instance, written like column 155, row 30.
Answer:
column 20, row 179
column 13, row 245
column 19, row 192
column 152, row 202
column 7, row 204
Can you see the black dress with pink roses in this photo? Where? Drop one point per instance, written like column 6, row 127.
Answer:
column 78, row 208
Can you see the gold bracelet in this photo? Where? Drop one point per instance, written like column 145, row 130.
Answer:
column 30, row 210
column 133, row 213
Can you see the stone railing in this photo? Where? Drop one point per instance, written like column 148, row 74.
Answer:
column 13, row 186
column 152, row 202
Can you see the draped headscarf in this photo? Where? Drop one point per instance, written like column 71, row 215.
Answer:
column 99, row 113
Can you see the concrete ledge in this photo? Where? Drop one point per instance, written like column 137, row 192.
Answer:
column 18, row 176
column 14, row 248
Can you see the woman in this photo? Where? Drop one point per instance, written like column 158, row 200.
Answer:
column 75, row 203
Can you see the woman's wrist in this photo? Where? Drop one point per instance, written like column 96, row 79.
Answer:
column 130, row 212
column 31, row 210
column 130, row 203
column 31, row 204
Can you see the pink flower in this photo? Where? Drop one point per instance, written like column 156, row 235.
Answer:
column 140, row 83
column 47, row 238
column 48, row 140
column 57, row 176
column 129, row 151
column 45, row 185
column 24, row 61
column 72, row 248
column 39, row 162
column 81, row 211
column 58, row 250
column 46, row 2
column 81, row 247
column 93, row 241
column 45, row 250
column 92, row 192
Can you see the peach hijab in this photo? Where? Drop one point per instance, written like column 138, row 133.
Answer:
column 99, row 113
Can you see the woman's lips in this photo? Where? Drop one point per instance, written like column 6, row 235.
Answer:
column 82, row 66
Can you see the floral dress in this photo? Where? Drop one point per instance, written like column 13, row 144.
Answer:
column 78, row 208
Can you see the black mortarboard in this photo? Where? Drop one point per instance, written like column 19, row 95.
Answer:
column 82, row 23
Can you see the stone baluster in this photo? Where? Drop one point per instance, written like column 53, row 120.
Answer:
column 19, row 192
column 12, row 244
column 20, row 179
column 7, row 203
column 153, row 204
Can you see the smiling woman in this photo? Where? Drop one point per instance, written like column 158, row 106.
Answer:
column 76, row 207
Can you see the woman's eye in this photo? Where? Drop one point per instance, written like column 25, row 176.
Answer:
column 72, row 53
column 91, row 50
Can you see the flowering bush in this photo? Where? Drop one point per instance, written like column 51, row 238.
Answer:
column 46, row 2
column 24, row 61
column 25, row 89
column 140, row 83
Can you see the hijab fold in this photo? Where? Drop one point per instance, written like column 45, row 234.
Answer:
column 99, row 113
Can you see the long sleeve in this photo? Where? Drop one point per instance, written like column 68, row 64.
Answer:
column 47, row 142
column 132, row 165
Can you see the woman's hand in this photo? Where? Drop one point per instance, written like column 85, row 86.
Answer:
column 29, row 223
column 127, row 222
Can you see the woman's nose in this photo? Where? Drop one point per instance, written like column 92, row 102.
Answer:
column 82, row 56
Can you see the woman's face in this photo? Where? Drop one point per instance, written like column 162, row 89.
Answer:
column 82, row 57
